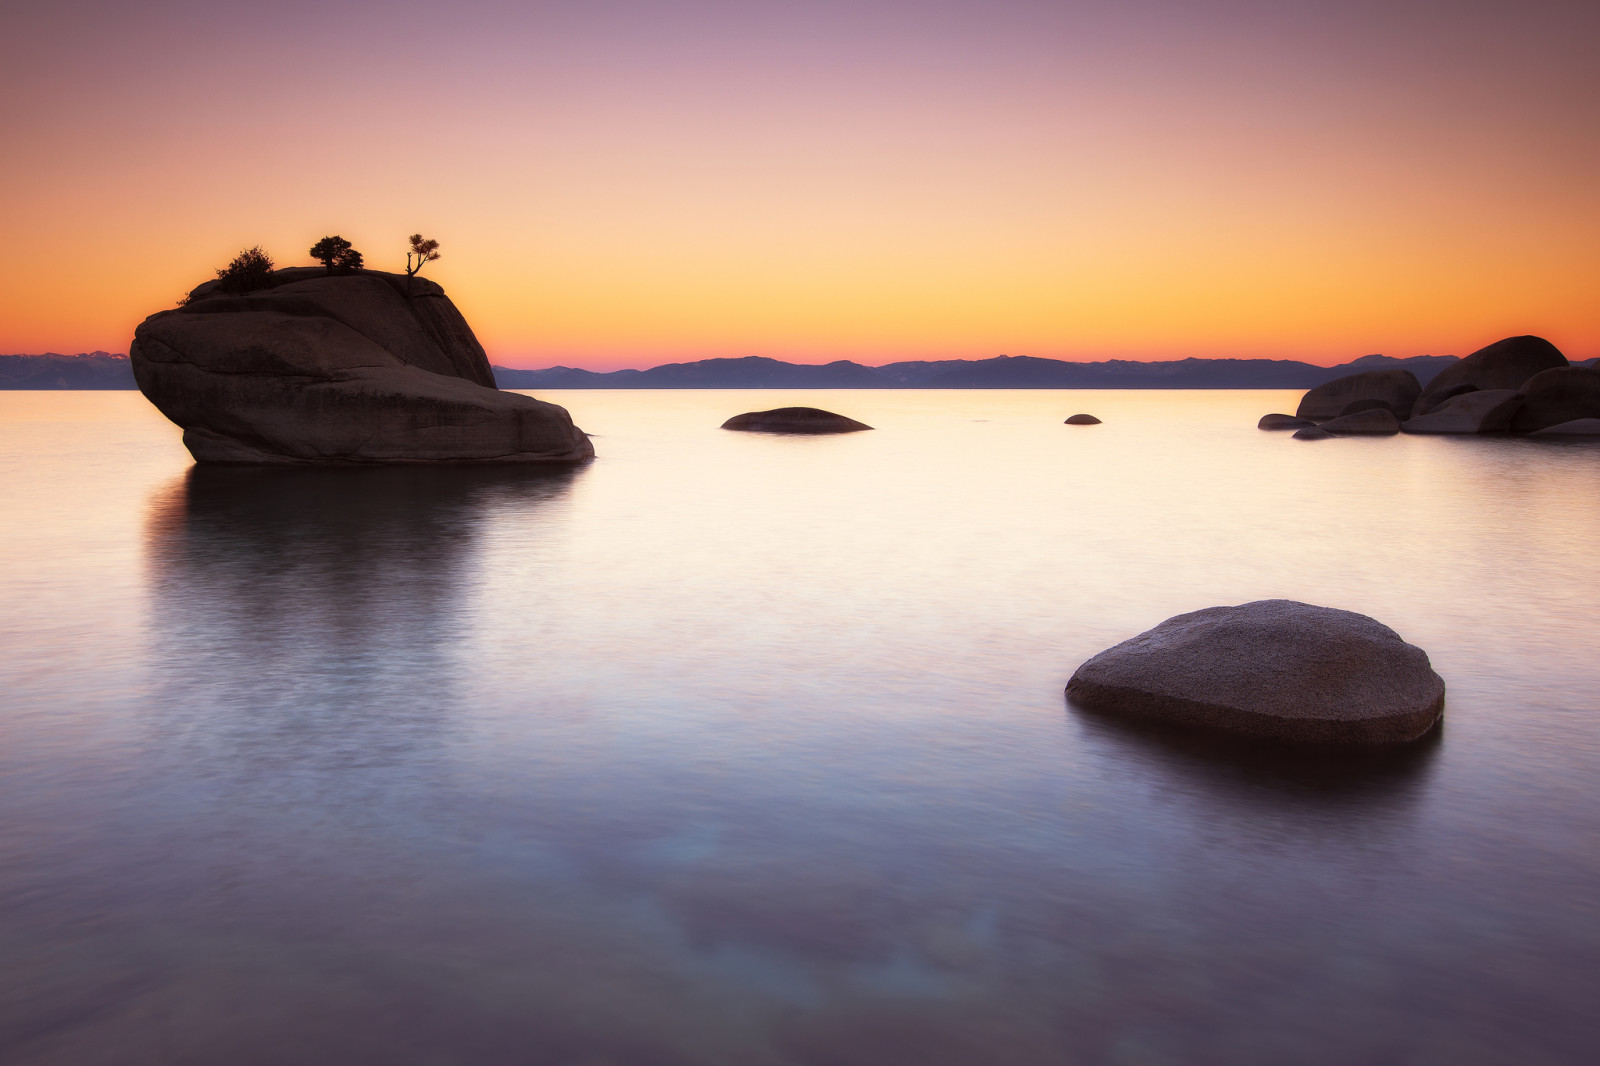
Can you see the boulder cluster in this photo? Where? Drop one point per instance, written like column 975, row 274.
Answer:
column 1521, row 385
column 363, row 367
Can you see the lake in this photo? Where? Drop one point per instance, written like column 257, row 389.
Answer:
column 740, row 749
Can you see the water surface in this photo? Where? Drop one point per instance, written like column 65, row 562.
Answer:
column 731, row 748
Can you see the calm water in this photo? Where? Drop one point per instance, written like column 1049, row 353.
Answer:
column 732, row 749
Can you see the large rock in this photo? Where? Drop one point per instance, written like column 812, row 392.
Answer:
column 367, row 368
column 1505, row 364
column 1486, row 411
column 1273, row 668
column 1396, row 389
column 1370, row 420
column 1552, row 397
column 794, row 420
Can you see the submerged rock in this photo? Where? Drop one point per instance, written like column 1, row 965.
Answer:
column 794, row 420
column 1578, row 427
column 316, row 368
column 1552, row 397
column 1484, row 411
column 1395, row 389
column 1273, row 668
column 1312, row 432
column 1374, row 420
column 1505, row 364
column 1280, row 421
column 1082, row 420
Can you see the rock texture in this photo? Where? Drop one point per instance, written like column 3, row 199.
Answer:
column 1505, row 364
column 1082, row 420
column 1485, row 411
column 364, row 368
column 1552, row 397
column 1273, row 668
column 794, row 420
column 1375, row 420
column 1580, row 427
column 1281, row 421
column 1396, row 389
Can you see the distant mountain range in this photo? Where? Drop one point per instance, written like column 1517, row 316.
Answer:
column 90, row 370
column 1001, row 372
column 102, row 370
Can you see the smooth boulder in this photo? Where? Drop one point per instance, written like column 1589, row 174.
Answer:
column 794, row 420
column 1396, row 389
column 1505, row 364
column 1485, row 411
column 360, row 368
column 1082, row 420
column 1373, row 420
column 1282, row 421
column 1312, row 432
column 1552, row 397
column 1272, row 668
column 1578, row 427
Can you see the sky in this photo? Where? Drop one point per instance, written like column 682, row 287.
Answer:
column 622, row 183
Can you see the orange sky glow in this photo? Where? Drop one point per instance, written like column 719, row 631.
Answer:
column 625, row 184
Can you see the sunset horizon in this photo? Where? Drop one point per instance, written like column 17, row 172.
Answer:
column 616, row 185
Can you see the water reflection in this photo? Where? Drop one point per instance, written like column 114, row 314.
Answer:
column 322, row 596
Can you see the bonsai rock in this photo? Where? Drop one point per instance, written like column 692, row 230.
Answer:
column 362, row 368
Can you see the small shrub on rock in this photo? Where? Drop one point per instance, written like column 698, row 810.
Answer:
column 249, row 271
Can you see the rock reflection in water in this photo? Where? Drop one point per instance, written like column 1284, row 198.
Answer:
column 315, row 592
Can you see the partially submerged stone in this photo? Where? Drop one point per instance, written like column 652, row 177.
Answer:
column 1505, row 364
column 1312, row 433
column 1484, row 411
column 1082, row 420
column 1272, row 668
column 794, row 420
column 1578, row 427
column 1371, row 420
column 1282, row 421
column 360, row 368
column 1396, row 389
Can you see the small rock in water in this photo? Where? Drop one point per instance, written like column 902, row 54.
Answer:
column 1578, row 427
column 1273, row 668
column 1082, row 420
column 1312, row 433
column 1281, row 421
column 794, row 420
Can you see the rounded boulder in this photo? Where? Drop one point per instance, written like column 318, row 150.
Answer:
column 1552, row 397
column 1395, row 389
column 1278, row 669
column 1505, row 364
column 1082, row 420
column 1282, row 421
column 1370, row 420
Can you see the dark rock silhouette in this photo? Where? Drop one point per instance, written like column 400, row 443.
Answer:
column 1282, row 421
column 1481, row 411
column 1505, row 364
column 1580, row 427
column 1082, row 420
column 1552, row 397
column 368, row 368
column 1393, row 388
column 794, row 420
column 1272, row 668
column 1312, row 433
column 1375, row 420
